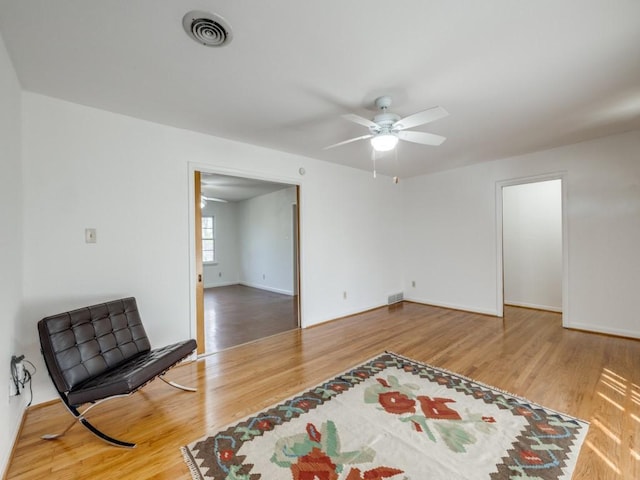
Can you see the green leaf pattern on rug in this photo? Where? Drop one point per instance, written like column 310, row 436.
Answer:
column 421, row 422
column 454, row 430
column 455, row 436
column 289, row 449
column 234, row 473
column 319, row 453
column 248, row 433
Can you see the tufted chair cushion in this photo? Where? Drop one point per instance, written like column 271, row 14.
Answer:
column 102, row 350
column 131, row 375
column 87, row 342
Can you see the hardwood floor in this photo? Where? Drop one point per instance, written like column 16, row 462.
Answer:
column 236, row 314
column 594, row 377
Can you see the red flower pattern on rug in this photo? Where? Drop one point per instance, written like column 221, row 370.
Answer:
column 318, row 464
column 383, row 420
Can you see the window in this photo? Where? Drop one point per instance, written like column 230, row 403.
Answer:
column 208, row 240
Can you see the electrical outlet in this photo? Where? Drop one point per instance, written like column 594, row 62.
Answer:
column 20, row 372
column 344, row 295
column 413, row 283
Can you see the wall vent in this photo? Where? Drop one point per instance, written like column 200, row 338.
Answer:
column 395, row 298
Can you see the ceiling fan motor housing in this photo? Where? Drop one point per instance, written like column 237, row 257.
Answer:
column 385, row 121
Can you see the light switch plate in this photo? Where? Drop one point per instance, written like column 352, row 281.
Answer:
column 90, row 235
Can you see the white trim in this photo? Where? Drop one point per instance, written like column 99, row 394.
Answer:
column 589, row 328
column 7, row 456
column 537, row 307
column 499, row 253
column 464, row 308
column 268, row 289
column 235, row 172
column 562, row 176
column 219, row 284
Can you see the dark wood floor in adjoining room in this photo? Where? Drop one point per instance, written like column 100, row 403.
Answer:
column 594, row 377
column 236, row 314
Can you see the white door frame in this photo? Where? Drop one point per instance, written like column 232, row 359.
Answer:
column 562, row 176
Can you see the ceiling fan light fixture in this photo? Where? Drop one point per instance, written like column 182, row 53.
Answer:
column 384, row 142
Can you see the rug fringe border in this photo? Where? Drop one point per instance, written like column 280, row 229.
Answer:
column 196, row 474
column 194, row 470
column 486, row 385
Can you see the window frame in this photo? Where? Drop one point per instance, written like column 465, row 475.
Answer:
column 212, row 239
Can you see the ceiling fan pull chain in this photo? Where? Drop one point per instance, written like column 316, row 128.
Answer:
column 396, row 179
column 373, row 157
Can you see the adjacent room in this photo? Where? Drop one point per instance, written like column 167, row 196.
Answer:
column 249, row 260
column 383, row 225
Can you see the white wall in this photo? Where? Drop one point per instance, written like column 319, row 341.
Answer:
column 82, row 167
column 226, row 270
column 532, row 245
column 265, row 234
column 254, row 242
column 85, row 167
column 450, row 248
column 10, row 248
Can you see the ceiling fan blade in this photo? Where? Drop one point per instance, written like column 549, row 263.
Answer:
column 422, row 137
column 361, row 120
column 214, row 199
column 348, row 141
column 420, row 118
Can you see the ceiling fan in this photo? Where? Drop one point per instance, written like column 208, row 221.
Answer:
column 387, row 128
column 204, row 199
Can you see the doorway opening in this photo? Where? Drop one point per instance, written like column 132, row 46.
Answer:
column 532, row 244
column 247, row 262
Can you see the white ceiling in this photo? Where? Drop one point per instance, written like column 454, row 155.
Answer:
column 236, row 189
column 515, row 76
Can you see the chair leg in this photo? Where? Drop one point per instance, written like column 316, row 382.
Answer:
column 177, row 385
column 79, row 416
column 53, row 436
column 105, row 437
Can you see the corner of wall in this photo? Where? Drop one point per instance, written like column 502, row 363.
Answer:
column 11, row 238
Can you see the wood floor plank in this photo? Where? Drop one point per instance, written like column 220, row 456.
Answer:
column 591, row 376
column 237, row 314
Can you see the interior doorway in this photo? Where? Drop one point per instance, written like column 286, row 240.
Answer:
column 532, row 244
column 247, row 259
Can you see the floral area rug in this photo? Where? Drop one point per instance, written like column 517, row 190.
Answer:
column 394, row 418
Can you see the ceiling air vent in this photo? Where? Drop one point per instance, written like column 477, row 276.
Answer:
column 207, row 28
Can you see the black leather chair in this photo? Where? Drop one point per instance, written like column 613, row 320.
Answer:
column 101, row 352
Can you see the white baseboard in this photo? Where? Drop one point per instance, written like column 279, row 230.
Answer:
column 464, row 308
column 346, row 314
column 608, row 331
column 267, row 288
column 218, row 284
column 13, row 438
column 533, row 305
